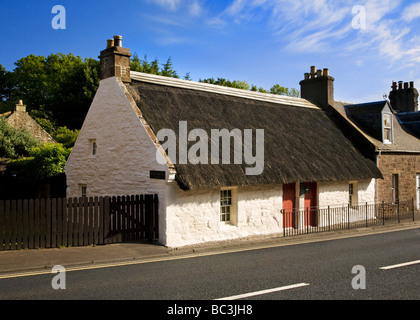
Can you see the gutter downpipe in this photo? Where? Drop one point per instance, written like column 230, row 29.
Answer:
column 378, row 157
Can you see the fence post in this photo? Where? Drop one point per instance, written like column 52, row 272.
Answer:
column 284, row 225
column 383, row 212
column 412, row 206
column 366, row 214
column 348, row 216
column 329, row 220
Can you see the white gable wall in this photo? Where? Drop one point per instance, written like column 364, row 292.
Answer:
column 125, row 152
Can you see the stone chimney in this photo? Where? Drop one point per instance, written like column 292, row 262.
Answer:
column 20, row 107
column 318, row 87
column 404, row 97
column 115, row 60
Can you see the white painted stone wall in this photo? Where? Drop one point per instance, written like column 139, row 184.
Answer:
column 125, row 152
column 337, row 193
column 194, row 216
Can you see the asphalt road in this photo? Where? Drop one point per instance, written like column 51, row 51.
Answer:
column 311, row 271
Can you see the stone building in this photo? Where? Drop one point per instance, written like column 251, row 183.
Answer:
column 20, row 119
column 306, row 159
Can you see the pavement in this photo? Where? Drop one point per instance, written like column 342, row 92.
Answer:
column 20, row 262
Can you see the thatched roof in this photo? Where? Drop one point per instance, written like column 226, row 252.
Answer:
column 301, row 143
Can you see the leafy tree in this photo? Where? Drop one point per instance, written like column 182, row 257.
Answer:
column 227, row 83
column 277, row 89
column 60, row 87
column 6, row 90
column 15, row 143
column 65, row 136
column 48, row 160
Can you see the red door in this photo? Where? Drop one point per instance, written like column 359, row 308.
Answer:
column 289, row 201
column 311, row 204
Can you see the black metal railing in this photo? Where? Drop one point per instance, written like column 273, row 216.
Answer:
column 316, row 219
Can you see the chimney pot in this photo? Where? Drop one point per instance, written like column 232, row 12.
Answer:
column 411, row 84
column 405, row 85
column 118, row 41
column 109, row 43
column 313, row 71
column 394, row 86
column 400, row 85
column 326, row 72
column 306, row 76
column 20, row 106
column 319, row 73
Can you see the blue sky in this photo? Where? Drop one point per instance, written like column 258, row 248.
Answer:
column 263, row 42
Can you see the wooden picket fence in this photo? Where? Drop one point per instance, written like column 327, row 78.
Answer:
column 72, row 222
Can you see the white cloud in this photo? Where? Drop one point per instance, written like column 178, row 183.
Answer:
column 168, row 4
column 194, row 6
column 411, row 12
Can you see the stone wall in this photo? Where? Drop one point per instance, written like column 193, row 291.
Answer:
column 22, row 120
column 407, row 166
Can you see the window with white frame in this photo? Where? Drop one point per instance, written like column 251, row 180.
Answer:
column 387, row 128
column 226, row 205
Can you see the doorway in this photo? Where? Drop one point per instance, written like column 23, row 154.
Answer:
column 289, row 205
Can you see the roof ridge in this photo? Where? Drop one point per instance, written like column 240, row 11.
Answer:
column 207, row 87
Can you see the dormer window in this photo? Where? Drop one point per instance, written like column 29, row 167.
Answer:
column 387, row 128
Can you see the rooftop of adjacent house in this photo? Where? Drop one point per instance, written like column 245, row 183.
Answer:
column 367, row 117
column 20, row 119
column 411, row 120
column 301, row 143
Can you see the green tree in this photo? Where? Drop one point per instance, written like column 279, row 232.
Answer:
column 6, row 90
column 277, row 89
column 48, row 160
column 60, row 87
column 65, row 136
column 168, row 70
column 15, row 143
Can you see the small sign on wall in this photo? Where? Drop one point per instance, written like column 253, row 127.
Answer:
column 160, row 175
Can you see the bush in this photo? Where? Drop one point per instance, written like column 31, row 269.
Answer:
column 48, row 160
column 65, row 136
column 15, row 143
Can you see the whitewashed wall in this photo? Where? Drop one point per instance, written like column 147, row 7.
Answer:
column 194, row 216
column 125, row 152
column 337, row 193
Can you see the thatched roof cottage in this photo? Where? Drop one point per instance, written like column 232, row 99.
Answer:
column 223, row 161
